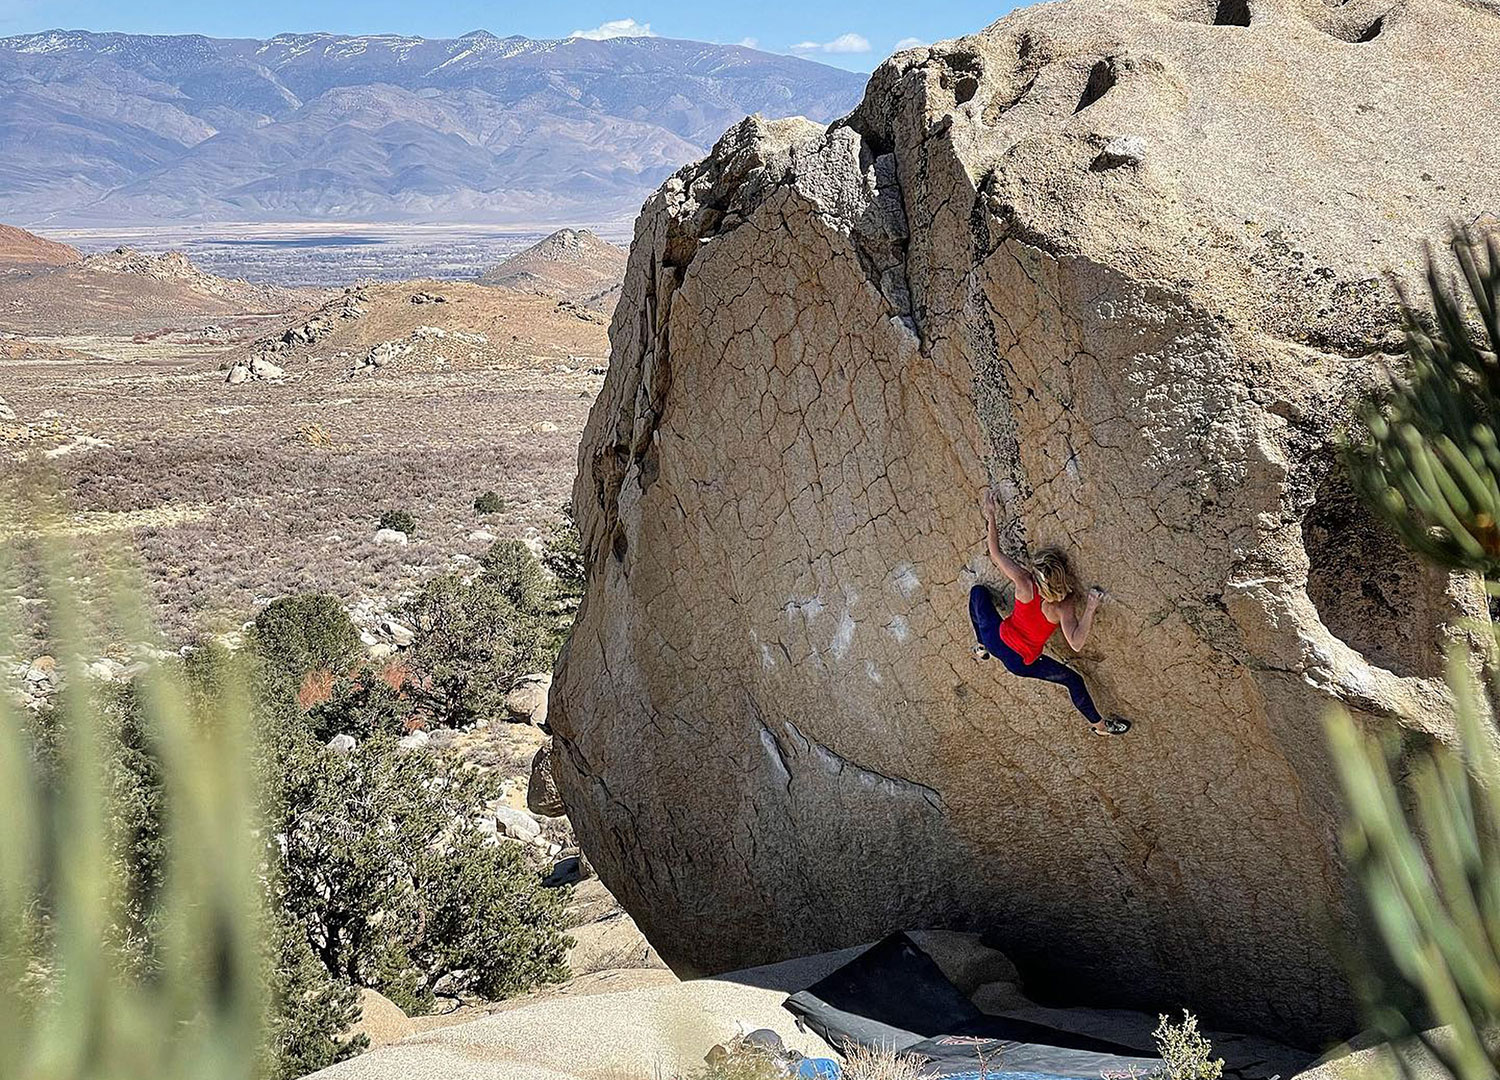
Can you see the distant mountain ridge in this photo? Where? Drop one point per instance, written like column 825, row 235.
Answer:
column 126, row 128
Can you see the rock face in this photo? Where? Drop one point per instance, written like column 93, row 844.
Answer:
column 1123, row 262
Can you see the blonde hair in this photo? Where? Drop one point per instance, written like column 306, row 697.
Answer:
column 1049, row 568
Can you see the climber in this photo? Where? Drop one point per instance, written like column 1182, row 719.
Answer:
column 1045, row 600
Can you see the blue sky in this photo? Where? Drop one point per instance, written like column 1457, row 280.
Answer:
column 855, row 34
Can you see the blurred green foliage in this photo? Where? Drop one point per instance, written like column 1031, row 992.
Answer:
column 1423, row 832
column 130, row 920
column 1431, row 465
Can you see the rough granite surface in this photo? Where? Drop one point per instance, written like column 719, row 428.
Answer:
column 1123, row 261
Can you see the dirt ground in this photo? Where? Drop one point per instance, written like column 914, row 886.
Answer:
column 236, row 494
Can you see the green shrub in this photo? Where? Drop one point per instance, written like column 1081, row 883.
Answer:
column 513, row 569
column 298, row 635
column 563, row 557
column 489, row 920
column 363, row 705
column 490, row 503
column 1185, row 1054
column 473, row 644
column 400, row 521
column 311, row 1011
column 382, row 862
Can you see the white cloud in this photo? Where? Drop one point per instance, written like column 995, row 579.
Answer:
column 750, row 43
column 843, row 44
column 616, row 28
column 911, row 43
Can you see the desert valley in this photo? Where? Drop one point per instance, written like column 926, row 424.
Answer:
column 503, row 544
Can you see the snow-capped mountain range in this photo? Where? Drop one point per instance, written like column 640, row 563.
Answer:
column 139, row 129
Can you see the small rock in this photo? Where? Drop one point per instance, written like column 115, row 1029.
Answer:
column 262, row 368
column 1123, row 150
column 238, row 374
column 6, row 412
column 542, row 796
column 106, row 670
column 527, row 703
column 417, row 740
column 482, row 536
column 42, row 670
column 381, row 1020
column 382, row 650
column 401, row 634
column 516, row 824
column 342, row 744
column 390, row 536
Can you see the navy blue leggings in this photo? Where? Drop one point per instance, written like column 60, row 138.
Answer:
column 986, row 621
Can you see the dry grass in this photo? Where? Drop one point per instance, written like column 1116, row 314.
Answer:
column 236, row 495
column 863, row 1063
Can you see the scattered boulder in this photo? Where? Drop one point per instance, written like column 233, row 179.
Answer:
column 967, row 962
column 6, row 412
column 262, row 368
column 42, row 670
column 391, row 536
column 999, row 997
column 417, row 740
column 257, row 367
column 379, row 356
column 399, row 633
column 527, row 703
column 428, row 298
column 342, row 744
column 541, row 791
column 381, row 1020
column 515, row 823
column 108, row 671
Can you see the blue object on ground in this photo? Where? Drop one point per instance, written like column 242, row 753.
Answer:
column 818, row 1069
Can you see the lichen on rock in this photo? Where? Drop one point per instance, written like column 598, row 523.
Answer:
column 1123, row 261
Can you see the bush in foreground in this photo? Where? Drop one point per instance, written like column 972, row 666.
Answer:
column 1423, row 832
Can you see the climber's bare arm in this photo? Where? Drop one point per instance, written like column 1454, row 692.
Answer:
column 1077, row 623
column 1019, row 576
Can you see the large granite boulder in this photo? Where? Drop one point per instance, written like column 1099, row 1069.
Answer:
column 1124, row 262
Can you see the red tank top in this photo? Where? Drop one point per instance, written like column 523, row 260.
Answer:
column 1027, row 628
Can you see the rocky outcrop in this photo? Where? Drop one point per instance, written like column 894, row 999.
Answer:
column 1123, row 261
